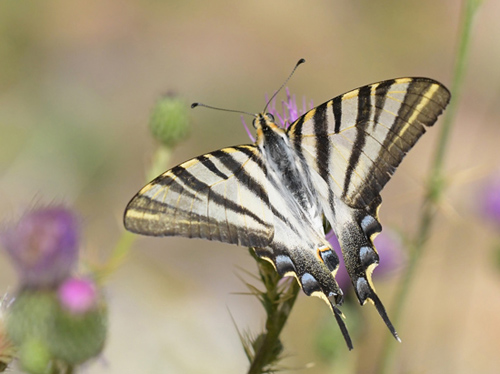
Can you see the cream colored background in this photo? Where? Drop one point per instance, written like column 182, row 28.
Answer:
column 78, row 80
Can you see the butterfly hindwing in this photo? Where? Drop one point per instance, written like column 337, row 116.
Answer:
column 218, row 196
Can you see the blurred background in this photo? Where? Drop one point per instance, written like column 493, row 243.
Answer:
column 78, row 81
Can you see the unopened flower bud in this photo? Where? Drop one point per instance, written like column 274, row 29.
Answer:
column 76, row 338
column 30, row 315
column 34, row 356
column 169, row 121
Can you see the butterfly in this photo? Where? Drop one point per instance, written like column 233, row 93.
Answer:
column 272, row 195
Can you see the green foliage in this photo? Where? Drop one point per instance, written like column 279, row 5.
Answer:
column 266, row 350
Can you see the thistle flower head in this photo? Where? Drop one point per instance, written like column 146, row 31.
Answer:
column 42, row 325
column 389, row 251
column 288, row 114
column 78, row 295
column 43, row 245
column 490, row 200
column 290, row 111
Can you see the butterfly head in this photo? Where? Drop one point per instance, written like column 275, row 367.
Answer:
column 263, row 120
column 266, row 126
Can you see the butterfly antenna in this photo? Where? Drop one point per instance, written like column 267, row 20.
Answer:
column 194, row 105
column 301, row 61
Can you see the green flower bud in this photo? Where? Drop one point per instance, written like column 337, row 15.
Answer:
column 75, row 338
column 35, row 357
column 37, row 322
column 30, row 315
column 169, row 121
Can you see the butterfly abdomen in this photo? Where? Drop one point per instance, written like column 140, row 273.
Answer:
column 288, row 171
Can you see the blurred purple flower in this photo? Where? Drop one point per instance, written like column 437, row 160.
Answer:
column 78, row 295
column 490, row 200
column 43, row 246
column 289, row 112
column 390, row 254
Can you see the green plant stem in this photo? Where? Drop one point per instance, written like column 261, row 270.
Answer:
column 122, row 248
column 117, row 257
column 274, row 325
column 278, row 305
column 435, row 186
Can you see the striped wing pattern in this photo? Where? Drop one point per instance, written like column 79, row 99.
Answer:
column 356, row 140
column 259, row 195
column 354, row 143
column 218, row 196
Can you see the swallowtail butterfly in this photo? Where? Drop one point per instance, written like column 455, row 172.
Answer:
column 272, row 195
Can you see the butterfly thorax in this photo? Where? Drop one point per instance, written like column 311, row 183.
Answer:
column 286, row 169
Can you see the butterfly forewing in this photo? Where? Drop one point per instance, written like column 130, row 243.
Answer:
column 356, row 140
column 217, row 196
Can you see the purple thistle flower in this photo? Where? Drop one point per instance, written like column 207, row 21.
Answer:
column 390, row 254
column 490, row 200
column 43, row 246
column 78, row 295
column 290, row 112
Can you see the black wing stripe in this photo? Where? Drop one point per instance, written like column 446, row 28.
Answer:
column 337, row 113
column 322, row 143
column 380, row 97
column 363, row 116
column 323, row 146
column 205, row 161
column 254, row 186
column 199, row 186
column 297, row 134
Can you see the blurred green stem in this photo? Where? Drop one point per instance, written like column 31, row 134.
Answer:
column 122, row 248
column 435, row 186
column 278, row 304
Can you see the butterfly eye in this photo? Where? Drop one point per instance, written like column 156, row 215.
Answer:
column 270, row 117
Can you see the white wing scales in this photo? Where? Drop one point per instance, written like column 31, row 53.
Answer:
column 218, row 196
